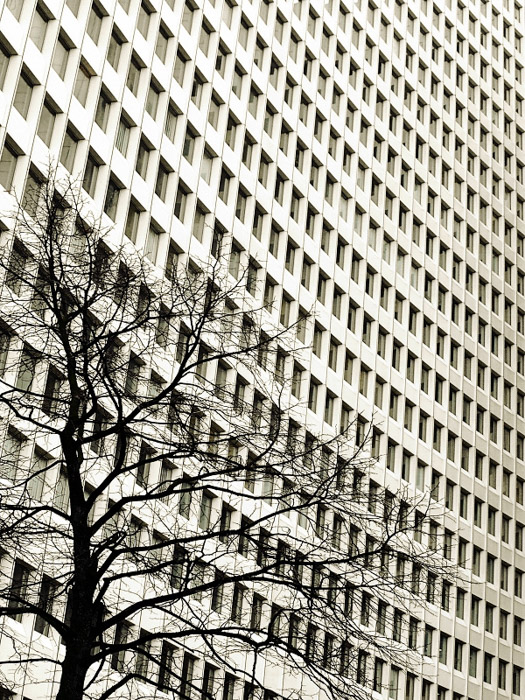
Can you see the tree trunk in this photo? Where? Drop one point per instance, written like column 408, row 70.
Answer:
column 74, row 670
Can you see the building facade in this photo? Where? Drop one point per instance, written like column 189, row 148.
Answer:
column 368, row 161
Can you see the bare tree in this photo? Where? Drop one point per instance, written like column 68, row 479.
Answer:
column 168, row 522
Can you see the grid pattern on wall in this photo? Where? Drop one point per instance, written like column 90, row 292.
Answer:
column 368, row 162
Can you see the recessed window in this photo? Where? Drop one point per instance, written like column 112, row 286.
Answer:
column 180, row 203
column 187, row 17
column 132, row 222
column 82, row 84
column 69, row 149
column 38, row 30
column 207, row 165
column 188, row 148
column 204, row 39
column 16, row 7
column 161, row 47
column 171, row 123
column 46, row 123
column 122, row 140
column 143, row 20
column 196, row 90
column 102, row 113
column 152, row 101
column 89, row 182
column 214, row 110
column 114, row 50
column 152, row 244
column 4, row 65
column 111, row 201
column 7, row 166
column 141, row 165
column 161, row 185
column 94, row 24
column 133, row 79
column 23, row 94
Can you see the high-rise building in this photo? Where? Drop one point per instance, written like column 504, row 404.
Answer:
column 367, row 158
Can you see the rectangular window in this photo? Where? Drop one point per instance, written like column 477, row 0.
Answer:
column 94, row 24
column 114, row 50
column 7, row 167
column 161, row 185
column 102, row 113
column 141, row 165
column 69, row 148
column 143, row 20
column 37, row 33
column 152, row 244
column 22, row 98
column 132, row 222
column 122, row 139
column 152, row 101
column 111, row 201
column 15, row 6
column 45, row 603
column 26, row 369
column 133, row 79
column 46, row 125
column 18, row 591
column 161, row 47
column 81, row 88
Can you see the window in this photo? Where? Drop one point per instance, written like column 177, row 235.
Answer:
column 171, row 122
column 37, row 33
column 230, row 132
column 114, row 49
column 161, row 184
column 18, row 591
column 23, row 94
column 161, row 47
column 187, row 17
column 143, row 20
column 196, row 90
column 15, row 6
column 81, row 88
column 179, row 68
column 122, row 633
column 45, row 603
column 502, row 674
column 4, row 65
column 69, row 147
column 152, row 100
column 180, row 202
column 94, row 24
column 132, row 222
column 133, row 79
column 111, row 201
column 5, row 341
column 224, row 185
column 141, row 165
column 8, row 161
column 228, row 692
column 152, row 244
column 61, row 497
column 32, row 192
column 102, row 113
column 204, row 39
column 122, row 139
column 26, row 369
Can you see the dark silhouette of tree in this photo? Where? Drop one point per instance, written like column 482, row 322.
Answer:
column 168, row 524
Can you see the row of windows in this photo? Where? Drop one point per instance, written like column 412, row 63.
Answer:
column 132, row 80
column 481, row 422
column 68, row 149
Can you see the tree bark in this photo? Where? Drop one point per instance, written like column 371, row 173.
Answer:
column 74, row 672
